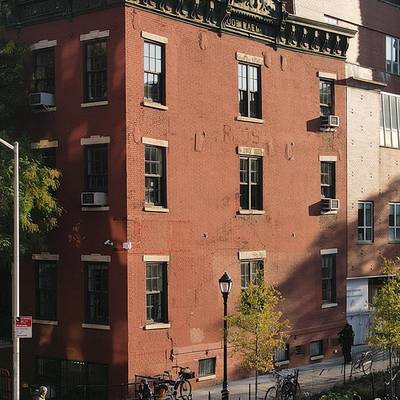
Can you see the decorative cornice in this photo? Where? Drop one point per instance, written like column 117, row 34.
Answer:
column 266, row 20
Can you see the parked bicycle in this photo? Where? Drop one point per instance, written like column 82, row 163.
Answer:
column 363, row 363
column 287, row 387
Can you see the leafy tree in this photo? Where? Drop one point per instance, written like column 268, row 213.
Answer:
column 385, row 328
column 258, row 328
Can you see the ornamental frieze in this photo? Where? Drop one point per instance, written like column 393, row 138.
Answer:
column 266, row 20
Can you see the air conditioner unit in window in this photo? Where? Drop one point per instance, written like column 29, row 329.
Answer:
column 41, row 99
column 94, row 199
column 329, row 121
column 330, row 205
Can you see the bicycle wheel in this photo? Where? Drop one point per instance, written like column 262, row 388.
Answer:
column 185, row 389
column 288, row 391
column 366, row 365
column 271, row 393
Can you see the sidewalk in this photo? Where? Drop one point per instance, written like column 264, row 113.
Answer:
column 313, row 378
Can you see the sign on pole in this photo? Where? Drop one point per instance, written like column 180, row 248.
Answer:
column 23, row 327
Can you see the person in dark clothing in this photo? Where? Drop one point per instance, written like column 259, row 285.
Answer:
column 346, row 340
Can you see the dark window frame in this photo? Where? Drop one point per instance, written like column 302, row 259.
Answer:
column 392, row 63
column 250, row 99
column 285, row 352
column 365, row 228
column 250, row 179
column 320, row 344
column 208, row 369
column 97, row 181
column 328, row 279
column 159, row 292
column 93, row 80
column 394, row 222
column 249, row 270
column 328, row 179
column 47, row 69
column 155, row 93
column 46, row 297
column 93, row 297
column 327, row 96
column 155, row 176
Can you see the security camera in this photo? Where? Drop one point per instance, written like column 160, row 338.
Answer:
column 108, row 242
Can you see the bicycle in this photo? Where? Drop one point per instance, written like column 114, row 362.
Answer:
column 364, row 363
column 287, row 387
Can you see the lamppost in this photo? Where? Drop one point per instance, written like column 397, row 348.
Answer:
column 225, row 285
column 15, row 275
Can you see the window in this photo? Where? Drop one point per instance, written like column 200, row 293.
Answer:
column 390, row 120
column 97, row 293
column 46, row 290
column 300, row 350
column 96, row 168
column 282, row 355
column 154, row 74
column 207, row 367
column 326, row 96
column 394, row 222
column 328, row 184
column 154, row 171
column 96, row 71
column 328, row 274
column 365, row 221
column 392, row 55
column 156, row 292
column 249, row 271
column 331, row 20
column 249, row 90
column 316, row 348
column 43, row 71
column 251, row 183
column 48, row 157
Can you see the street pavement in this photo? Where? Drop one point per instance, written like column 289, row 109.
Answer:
column 313, row 378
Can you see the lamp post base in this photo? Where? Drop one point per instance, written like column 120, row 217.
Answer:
column 224, row 394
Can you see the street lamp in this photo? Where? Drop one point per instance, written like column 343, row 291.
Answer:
column 225, row 285
column 15, row 275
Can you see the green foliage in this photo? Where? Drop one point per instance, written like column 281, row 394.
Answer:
column 258, row 328
column 385, row 328
column 337, row 396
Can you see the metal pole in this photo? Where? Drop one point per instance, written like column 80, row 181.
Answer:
column 225, row 391
column 16, row 355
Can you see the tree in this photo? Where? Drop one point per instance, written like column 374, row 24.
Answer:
column 258, row 328
column 385, row 328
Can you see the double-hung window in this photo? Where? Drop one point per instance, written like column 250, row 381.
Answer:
column 390, row 120
column 43, row 71
column 95, row 70
column 154, row 170
column 394, row 222
column 96, row 292
column 154, row 72
column 328, row 184
column 46, row 290
column 96, row 168
column 328, row 275
column 156, row 292
column 249, row 271
column 249, row 90
column 365, row 221
column 392, row 55
column 326, row 96
column 251, row 196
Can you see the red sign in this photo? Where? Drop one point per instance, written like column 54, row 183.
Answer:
column 23, row 327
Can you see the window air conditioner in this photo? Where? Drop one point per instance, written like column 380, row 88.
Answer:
column 329, row 121
column 330, row 205
column 94, row 199
column 41, row 99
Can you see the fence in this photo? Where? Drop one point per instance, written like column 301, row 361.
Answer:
column 5, row 385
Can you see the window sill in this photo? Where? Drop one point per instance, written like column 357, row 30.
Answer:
column 105, row 208
column 329, row 305
column 365, row 242
column 328, row 212
column 45, row 322
column 206, row 378
column 97, row 326
column 161, row 325
column 394, row 242
column 94, row 104
column 151, row 104
column 251, row 212
column 249, row 119
column 281, row 363
column 156, row 209
column 315, row 358
column 44, row 110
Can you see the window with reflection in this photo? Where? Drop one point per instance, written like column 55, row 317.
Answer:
column 249, row 90
column 154, row 74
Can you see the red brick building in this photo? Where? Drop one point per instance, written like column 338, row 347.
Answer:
column 217, row 163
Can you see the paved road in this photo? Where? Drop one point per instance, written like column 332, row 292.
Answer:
column 313, row 378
